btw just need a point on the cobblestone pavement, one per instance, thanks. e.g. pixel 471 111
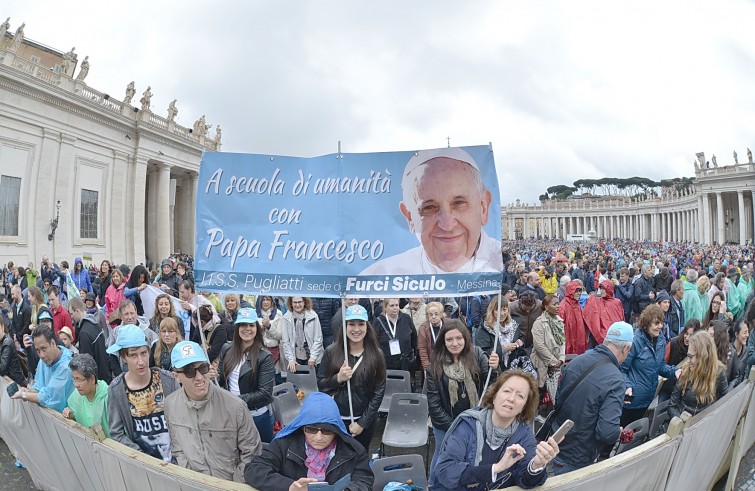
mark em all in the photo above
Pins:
pixel 11 477
pixel 746 475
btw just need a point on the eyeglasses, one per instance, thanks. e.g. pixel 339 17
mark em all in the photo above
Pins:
pixel 312 430
pixel 715 303
pixel 578 290
pixel 191 372
pixel 299 302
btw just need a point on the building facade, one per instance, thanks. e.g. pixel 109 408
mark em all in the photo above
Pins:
pixel 719 207
pixel 84 173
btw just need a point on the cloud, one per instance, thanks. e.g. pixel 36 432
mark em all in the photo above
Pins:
pixel 563 90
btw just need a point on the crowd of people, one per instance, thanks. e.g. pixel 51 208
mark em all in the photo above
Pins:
pixel 586 330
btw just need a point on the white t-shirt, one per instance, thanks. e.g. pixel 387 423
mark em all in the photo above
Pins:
pixel 233 386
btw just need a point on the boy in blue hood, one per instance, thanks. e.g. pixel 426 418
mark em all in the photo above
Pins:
pixel 314 447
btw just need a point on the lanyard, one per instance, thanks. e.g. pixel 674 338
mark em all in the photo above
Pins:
pixel 392 327
pixel 432 331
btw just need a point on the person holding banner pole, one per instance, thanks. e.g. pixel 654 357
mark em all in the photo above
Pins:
pixel 358 402
pixel 245 368
pixel 454 378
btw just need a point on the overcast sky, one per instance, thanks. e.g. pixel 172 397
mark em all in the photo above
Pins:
pixel 563 90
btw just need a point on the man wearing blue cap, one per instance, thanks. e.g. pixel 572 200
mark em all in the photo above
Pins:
pixel 211 429
pixel 136 397
pixel 591 393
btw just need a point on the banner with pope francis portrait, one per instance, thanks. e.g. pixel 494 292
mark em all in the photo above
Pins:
pixel 392 224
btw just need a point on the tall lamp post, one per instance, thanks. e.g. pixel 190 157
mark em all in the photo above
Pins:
pixel 54 222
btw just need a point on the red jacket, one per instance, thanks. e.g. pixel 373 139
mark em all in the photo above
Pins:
pixel 60 319
pixel 574 323
pixel 601 312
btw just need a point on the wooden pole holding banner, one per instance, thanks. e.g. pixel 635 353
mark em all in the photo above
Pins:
pixel 202 338
pixel 346 349
pixel 495 346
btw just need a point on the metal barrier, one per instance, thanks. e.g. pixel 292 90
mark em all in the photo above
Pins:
pixel 693 454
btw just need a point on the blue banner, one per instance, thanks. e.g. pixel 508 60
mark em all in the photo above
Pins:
pixel 391 224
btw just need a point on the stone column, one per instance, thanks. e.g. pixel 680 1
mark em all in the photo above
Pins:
pixel 510 220
pixel 705 220
pixel 741 217
pixel 140 187
pixel 162 212
pixel 118 209
pixel 720 237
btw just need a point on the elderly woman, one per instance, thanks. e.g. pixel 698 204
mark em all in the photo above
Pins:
pixel 314 447
pixel 644 363
pixel 428 332
pixel 508 454
pixel 703 379
pixel 703 287
pixel 88 403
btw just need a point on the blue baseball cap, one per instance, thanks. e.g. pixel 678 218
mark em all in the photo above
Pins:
pixel 356 313
pixel 129 336
pixel 45 314
pixel 186 353
pixel 246 316
pixel 620 331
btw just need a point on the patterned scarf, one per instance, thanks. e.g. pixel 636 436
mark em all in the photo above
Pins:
pixel 557 328
pixel 299 338
pixel 317 460
pixel 497 437
pixel 457 373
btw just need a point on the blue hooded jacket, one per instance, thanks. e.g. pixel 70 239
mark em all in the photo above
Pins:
pixel 318 408
pixel 81 278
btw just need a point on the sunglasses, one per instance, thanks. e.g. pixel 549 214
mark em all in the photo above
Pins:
pixel 191 372
pixel 312 430
pixel 578 290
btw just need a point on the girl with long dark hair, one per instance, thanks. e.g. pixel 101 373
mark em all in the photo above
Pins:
pixel 245 368
pixel 453 380
pixel 365 369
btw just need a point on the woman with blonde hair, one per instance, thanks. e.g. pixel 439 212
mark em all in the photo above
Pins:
pixel 168 336
pixel 508 331
pixel 703 379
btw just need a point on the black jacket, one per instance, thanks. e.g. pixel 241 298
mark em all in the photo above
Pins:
pixel 282 462
pixel 326 308
pixel 171 281
pixel 642 288
pixel 9 364
pixel 525 321
pixel 663 282
pixel 688 402
pixel 407 338
pixel 21 321
pixel 91 340
pixel 365 403
pixel 595 406
pixel 255 391
pixel 438 399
